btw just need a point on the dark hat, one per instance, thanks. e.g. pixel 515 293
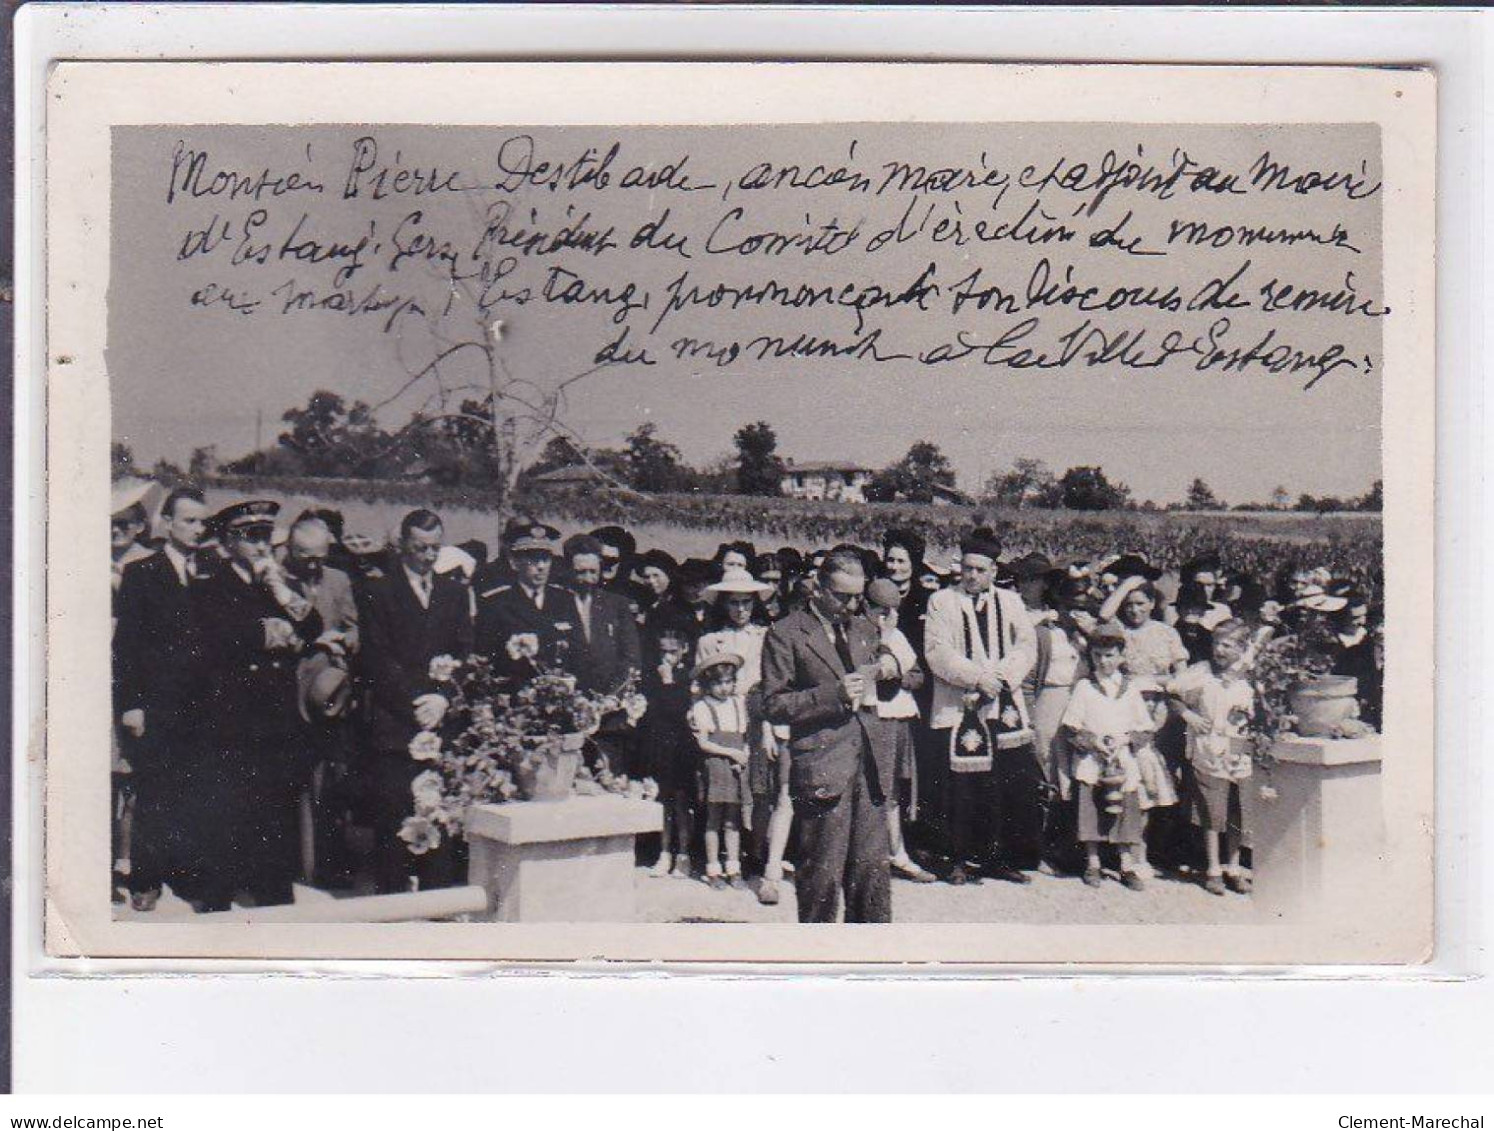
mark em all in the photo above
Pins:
pixel 245 516
pixel 525 535
pixel 1191 595
pixel 582 544
pixel 1071 593
pixel 698 571
pixel 983 541
pixel 618 537
pixel 1251 596
pixel 767 566
pixel 476 549
pixel 668 617
pixel 790 559
pixel 909 540
pixel 1029 567
pixel 659 560
pixel 325 688
pixel 1131 565
pixel 746 549
pixel 1108 633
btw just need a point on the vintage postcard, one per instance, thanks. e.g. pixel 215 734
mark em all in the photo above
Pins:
pixel 833 513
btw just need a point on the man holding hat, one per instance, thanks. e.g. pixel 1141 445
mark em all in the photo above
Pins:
pixel 529 624
pixel 253 627
pixel 326 691
pixel 979 644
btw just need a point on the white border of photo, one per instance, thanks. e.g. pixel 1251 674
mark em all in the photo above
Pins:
pixel 1449 41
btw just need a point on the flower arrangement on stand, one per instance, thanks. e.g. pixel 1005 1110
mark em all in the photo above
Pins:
pixel 498 742
pixel 1285 665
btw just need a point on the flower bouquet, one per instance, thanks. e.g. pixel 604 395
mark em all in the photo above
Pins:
pixel 496 742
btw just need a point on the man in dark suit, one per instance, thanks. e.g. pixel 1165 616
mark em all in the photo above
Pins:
pixel 818 664
pixel 253 628
pixel 606 651
pixel 411 615
pixel 530 624
pixel 157 699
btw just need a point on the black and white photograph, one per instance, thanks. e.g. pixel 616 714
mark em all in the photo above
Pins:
pixel 670 511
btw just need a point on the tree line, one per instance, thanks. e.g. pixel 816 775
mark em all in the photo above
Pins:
pixel 331 437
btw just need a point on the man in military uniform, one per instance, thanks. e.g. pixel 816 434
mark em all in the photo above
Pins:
pixel 529 625
pixel 157 699
pixel 253 628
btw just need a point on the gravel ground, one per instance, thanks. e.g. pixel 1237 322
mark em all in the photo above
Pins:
pixel 1048 899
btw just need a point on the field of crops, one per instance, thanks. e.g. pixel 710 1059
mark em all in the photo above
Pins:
pixel 1256 542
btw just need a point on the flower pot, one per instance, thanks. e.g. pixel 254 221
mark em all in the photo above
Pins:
pixel 1322 704
pixel 551 774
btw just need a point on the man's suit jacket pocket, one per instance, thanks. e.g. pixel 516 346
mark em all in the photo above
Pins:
pixel 819 769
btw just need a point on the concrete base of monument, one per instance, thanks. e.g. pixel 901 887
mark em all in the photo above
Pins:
pixel 559 862
pixel 1320 841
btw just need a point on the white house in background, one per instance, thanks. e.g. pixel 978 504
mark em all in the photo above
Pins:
pixel 826 480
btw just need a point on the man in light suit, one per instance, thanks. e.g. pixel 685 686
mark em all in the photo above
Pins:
pixel 411 615
pixel 817 665
pixel 979 644
pixel 325 689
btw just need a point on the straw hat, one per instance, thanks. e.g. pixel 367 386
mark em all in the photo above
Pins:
pixel 740 581
pixel 712 651
pixel 127 493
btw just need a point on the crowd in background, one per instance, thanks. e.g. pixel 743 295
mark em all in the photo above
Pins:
pixel 1014 712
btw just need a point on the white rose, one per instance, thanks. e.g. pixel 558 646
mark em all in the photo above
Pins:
pixel 425 746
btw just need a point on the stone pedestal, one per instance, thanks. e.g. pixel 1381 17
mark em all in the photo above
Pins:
pixel 559 862
pixel 1320 842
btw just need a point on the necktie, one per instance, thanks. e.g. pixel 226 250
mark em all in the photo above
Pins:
pixel 843 647
pixel 982 622
pixel 425 592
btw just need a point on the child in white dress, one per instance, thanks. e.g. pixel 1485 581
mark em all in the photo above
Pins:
pixel 1107 722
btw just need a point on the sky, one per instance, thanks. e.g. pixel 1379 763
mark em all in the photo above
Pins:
pixel 185 376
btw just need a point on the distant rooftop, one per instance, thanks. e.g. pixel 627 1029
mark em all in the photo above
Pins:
pixel 578 474
pixel 824 465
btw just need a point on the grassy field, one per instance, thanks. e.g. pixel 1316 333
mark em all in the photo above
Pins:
pixel 1258 541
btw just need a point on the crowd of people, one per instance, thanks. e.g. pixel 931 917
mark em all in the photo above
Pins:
pixel 846 715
